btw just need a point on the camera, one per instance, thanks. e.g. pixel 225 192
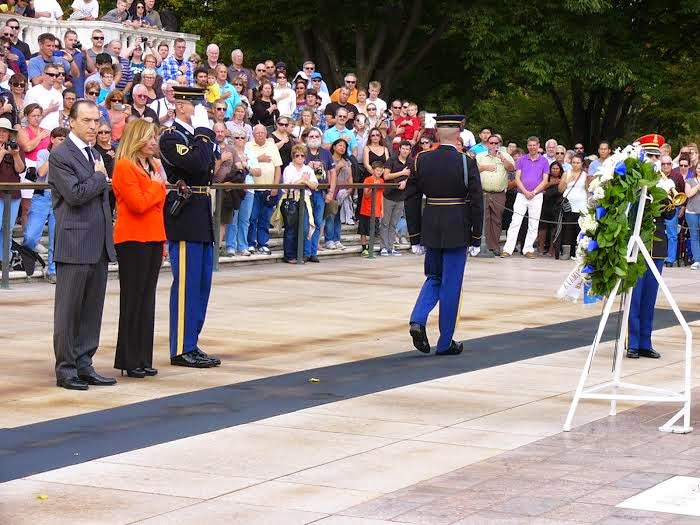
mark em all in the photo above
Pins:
pixel 387 113
pixel 11 144
pixel 78 46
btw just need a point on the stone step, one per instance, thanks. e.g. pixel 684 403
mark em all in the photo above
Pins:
pixel 239 260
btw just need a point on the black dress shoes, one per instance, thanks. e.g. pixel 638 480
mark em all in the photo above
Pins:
pixel 150 371
pixel 632 354
pixel 649 353
pixel 215 360
pixel 420 338
pixel 72 383
pixel 136 372
pixel 191 360
pixel 314 259
pixel 96 379
pixel 454 349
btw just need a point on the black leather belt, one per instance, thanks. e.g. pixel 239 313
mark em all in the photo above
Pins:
pixel 440 201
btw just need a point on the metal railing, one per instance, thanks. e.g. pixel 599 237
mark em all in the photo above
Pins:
pixel 218 199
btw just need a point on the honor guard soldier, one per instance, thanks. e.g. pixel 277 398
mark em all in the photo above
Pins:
pixel 641 315
pixel 451 222
pixel 187 151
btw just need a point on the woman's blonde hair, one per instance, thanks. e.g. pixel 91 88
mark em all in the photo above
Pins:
pixel 136 134
pixel 298 148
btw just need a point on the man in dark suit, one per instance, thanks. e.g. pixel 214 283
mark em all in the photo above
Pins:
pixel 450 223
pixel 83 248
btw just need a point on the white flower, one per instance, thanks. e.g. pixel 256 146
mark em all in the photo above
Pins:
pixel 595 183
pixel 588 223
pixel 666 184
pixel 599 193
pixel 583 243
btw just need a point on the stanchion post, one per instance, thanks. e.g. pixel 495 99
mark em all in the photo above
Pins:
pixel 6 240
pixel 484 249
pixel 218 200
pixel 300 227
pixel 372 214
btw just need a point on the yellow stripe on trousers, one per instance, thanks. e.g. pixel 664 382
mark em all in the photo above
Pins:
pixel 182 282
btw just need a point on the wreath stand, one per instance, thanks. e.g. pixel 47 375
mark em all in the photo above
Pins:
pixel 614 390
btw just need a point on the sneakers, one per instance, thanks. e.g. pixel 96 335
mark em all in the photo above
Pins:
pixel 695 266
pixel 330 245
pixel 396 253
pixel 384 252
pixel 529 255
pixel 339 245
pixel 264 250
pixel 251 249
pixel 51 278
pixel 230 252
pixel 504 255
pixel 365 253
pixel 245 253
pixel 403 240
pixel 350 222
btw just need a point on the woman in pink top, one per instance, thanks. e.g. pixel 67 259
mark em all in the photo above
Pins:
pixel 33 138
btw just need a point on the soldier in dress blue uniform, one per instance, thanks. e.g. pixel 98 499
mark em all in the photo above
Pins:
pixel 641 315
pixel 450 223
pixel 188 154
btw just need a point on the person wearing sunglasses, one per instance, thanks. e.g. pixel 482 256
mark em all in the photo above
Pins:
pixel 350 82
pixel 48 97
pixel 298 172
pixel 284 95
pixel 15 98
pixel 13 25
pixel 240 84
pixel 47 47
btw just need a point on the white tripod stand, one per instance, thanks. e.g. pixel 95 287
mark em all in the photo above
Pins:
pixel 611 389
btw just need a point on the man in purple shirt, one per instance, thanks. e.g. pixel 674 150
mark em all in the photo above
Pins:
pixel 531 177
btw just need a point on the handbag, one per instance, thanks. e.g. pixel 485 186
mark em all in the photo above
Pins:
pixel 290 212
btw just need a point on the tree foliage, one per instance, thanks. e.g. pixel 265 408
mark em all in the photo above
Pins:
pixel 586 70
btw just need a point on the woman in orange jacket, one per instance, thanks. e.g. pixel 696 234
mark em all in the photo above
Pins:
pixel 139 234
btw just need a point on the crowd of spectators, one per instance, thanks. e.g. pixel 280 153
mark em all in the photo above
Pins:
pixel 274 125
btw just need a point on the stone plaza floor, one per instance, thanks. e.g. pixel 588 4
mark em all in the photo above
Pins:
pixel 322 413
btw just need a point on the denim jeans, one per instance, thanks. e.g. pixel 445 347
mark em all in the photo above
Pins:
pixel 672 236
pixel 291 237
pixel 318 205
pixel 259 229
pixel 693 220
pixel 14 210
pixel 237 231
pixel 332 230
pixel 40 211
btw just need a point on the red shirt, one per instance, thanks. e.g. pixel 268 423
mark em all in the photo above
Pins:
pixel 366 207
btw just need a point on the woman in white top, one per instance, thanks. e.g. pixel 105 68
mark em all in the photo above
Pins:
pixel 297 173
pixel 361 103
pixel 284 95
pixel 574 188
pixel 238 123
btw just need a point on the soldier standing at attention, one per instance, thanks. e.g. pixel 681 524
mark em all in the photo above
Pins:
pixel 451 222
pixel 187 151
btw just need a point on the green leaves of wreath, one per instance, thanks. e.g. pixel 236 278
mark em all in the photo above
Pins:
pixel 605 258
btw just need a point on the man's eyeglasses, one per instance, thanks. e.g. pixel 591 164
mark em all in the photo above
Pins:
pixel 395 107
pixel 260 70
pixel 98 38
pixel 684 165
pixel 341 116
pixel 425 142
pixel 54 75
pixel 14 27
pixel 93 93
pixel 560 153
pixel 140 96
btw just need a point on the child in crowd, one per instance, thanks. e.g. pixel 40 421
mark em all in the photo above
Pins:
pixel 366 205
pixel 106 83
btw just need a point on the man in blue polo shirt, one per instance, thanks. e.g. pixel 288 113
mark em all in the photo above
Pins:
pixel 47 46
pixel 531 177
pixel 339 131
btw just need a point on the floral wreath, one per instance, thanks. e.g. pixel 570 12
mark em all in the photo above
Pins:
pixel 607 224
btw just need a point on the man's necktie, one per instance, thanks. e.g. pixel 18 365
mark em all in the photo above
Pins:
pixel 91 158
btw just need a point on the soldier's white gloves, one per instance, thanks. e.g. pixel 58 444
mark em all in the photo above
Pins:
pixel 200 119
pixel 417 249
pixel 474 251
